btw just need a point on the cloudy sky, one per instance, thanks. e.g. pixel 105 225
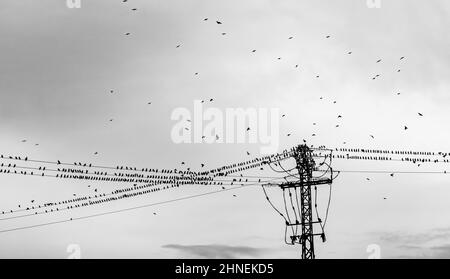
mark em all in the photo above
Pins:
pixel 58 67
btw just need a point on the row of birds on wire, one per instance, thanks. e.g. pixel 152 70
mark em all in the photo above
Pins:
pixel 215 177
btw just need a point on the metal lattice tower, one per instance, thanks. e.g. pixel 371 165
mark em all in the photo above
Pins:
pixel 305 166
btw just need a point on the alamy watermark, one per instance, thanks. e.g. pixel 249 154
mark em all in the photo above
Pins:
pixel 231 125
pixel 73 4
pixel 74 251
pixel 374 251
pixel 373 4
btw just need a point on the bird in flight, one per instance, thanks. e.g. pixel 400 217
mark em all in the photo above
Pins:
pixel 420 114
pixel 218 22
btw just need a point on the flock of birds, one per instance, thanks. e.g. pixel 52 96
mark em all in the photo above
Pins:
pixel 220 22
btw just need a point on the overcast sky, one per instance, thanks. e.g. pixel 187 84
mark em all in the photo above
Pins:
pixel 59 65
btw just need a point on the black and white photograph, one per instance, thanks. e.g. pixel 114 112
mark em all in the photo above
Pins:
pixel 250 130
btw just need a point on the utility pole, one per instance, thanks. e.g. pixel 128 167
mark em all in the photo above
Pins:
pixel 304 159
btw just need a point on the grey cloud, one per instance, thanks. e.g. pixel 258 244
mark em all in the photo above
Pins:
pixel 434 243
pixel 215 251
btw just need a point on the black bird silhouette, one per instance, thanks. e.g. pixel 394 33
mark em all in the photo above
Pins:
pixel 202 165
pixel 218 22
pixel 59 162
pixel 328 36
pixel 254 50
pixel 205 19
pixel 420 114
pixel 290 38
pixel 403 57
pixel 406 128
pixel 372 136
pixel 178 46
pixel 127 34
pixel 379 60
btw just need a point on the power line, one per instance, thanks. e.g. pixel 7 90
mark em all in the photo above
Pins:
pixel 127 209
